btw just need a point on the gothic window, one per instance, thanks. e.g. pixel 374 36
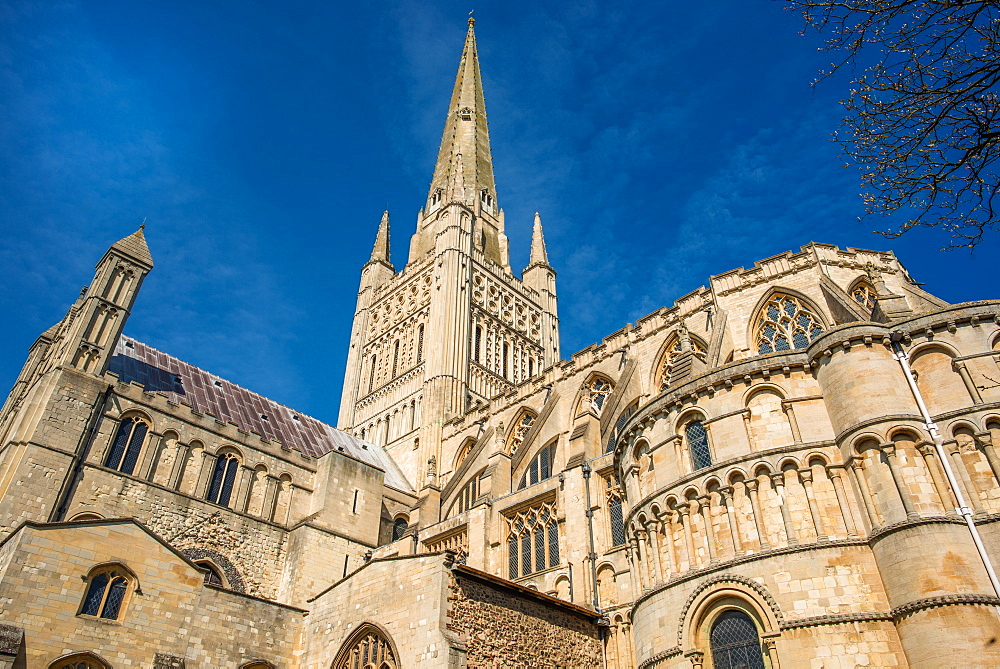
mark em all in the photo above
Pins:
pixel 520 431
pixel 477 343
pixel 468 495
pixel 506 352
pixel 399 527
pixel 531 367
pixel 596 394
pixel 533 542
pixel 220 488
pixel 371 375
pixel 864 295
pixel 666 369
pixel 615 514
pixel 697 438
pixel 786 323
pixel 395 358
pixel 107 589
pixel 616 432
pixel 126 445
pixel 80 661
pixel 540 468
pixel 735 642
pixel 420 344
pixel 366 648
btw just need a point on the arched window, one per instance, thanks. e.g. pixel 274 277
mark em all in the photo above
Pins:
pixel 697 438
pixel 220 488
pixel 520 431
pixel 615 515
pixel 257 664
pixel 468 495
pixel 785 323
pixel 464 450
pixel 127 444
pixel 477 343
pixel 80 661
pixel 371 374
pixel 399 527
pixel 666 369
pixel 616 432
pixel 533 543
pixel 367 648
pixel 597 393
pixel 540 467
pixel 864 294
pixel 506 353
pixel 395 358
pixel 420 343
pixel 735 642
pixel 531 367
pixel 213 575
pixel 108 587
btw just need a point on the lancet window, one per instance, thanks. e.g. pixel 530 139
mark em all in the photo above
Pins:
pixel 616 432
pixel 420 344
pixel 597 393
pixel 107 588
pixel 520 431
pixel 127 444
pixel 540 468
pixel 468 495
pixel 399 527
pixel 697 439
pixel 533 542
pixel 616 517
pixel 477 344
pixel 220 488
pixel 785 323
pixel 864 295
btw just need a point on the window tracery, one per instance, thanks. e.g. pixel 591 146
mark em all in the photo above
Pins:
pixel 784 324
pixel 616 516
pixel 107 589
pixel 697 438
pixel 735 642
pixel 597 393
pixel 864 295
pixel 80 661
pixel 367 648
pixel 399 527
pixel 127 444
pixel 533 540
pixel 520 431
pixel 670 356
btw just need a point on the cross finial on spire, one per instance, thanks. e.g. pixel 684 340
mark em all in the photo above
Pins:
pixel 472 20
pixel 142 226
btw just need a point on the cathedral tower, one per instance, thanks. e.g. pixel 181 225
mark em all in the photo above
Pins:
pixel 455 327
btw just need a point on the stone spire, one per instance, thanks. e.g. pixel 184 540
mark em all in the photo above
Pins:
pixel 465 134
pixel 538 254
pixel 381 250
pixel 134 246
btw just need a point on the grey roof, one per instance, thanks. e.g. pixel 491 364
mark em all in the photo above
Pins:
pixel 207 393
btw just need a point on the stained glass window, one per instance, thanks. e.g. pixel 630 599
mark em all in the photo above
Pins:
pixel 540 467
pixel 785 324
pixel 533 544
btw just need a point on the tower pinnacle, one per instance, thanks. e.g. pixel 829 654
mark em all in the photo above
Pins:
pixel 538 254
pixel 465 134
pixel 381 250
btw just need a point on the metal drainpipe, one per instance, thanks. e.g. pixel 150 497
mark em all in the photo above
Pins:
pixel 592 556
pixel 963 510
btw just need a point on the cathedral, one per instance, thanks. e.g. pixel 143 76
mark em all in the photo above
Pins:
pixel 792 466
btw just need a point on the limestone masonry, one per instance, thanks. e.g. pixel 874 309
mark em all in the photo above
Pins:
pixel 788 467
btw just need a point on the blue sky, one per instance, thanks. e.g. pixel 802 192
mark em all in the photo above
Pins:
pixel 661 142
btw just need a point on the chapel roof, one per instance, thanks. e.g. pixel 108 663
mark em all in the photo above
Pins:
pixel 208 393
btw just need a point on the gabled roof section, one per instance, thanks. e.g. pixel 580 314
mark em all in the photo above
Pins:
pixel 135 247
pixel 207 393
pixel 466 133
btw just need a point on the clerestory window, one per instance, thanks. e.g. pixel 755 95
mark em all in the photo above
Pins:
pixel 697 438
pixel 123 454
pixel 784 324
pixel 533 540
pixel 220 488
pixel 540 468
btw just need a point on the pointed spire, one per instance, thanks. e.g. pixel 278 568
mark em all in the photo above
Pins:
pixel 538 254
pixel 465 132
pixel 135 247
pixel 381 250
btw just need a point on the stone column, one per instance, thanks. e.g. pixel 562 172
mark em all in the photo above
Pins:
pixel 772 653
pixel 889 449
pixel 845 507
pixel 204 474
pixel 668 539
pixel 638 583
pixel 758 517
pixel 654 548
pixel 964 480
pixel 963 371
pixel 793 423
pixel 270 498
pixel 989 450
pixel 934 468
pixel 149 456
pixel 697 658
pixel 705 506
pixel 243 485
pixel 778 480
pixel 858 471
pixel 633 572
pixel 734 522
pixel 749 430
pixel 177 471
pixel 685 511
pixel 817 517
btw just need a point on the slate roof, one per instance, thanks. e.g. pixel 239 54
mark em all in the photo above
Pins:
pixel 207 393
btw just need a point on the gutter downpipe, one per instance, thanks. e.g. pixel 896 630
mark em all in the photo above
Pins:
pixel 963 509
pixel 592 556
